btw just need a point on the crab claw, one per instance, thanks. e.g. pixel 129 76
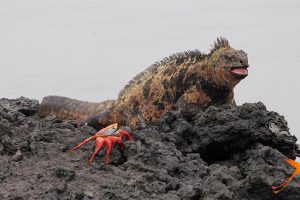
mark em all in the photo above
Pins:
pixel 106 137
pixel 279 188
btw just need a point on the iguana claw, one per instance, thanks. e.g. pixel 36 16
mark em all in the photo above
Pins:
pixel 107 136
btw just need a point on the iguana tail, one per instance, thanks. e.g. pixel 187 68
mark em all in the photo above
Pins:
pixel 66 108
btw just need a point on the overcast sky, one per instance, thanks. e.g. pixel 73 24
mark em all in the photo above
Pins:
pixel 90 49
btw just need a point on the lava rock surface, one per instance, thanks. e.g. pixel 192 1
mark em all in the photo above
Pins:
pixel 220 153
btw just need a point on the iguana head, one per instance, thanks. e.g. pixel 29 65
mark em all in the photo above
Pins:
pixel 226 66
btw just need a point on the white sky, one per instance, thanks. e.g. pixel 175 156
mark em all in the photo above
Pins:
pixel 90 49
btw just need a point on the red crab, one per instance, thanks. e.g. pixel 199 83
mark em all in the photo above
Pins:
pixel 107 136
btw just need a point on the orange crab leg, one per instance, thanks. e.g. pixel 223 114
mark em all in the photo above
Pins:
pixel 125 134
pixel 277 189
pixel 99 145
pixel 109 143
pixel 82 143
pixel 120 141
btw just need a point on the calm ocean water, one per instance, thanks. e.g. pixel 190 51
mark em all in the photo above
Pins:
pixel 90 49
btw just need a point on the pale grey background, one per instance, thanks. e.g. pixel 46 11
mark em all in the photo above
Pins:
pixel 89 49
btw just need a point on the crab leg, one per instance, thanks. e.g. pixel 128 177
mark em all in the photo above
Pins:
pixel 277 189
pixel 109 143
pixel 99 145
pixel 82 143
pixel 120 141
pixel 125 134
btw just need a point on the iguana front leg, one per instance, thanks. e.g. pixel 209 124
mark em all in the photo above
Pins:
pixel 197 96
pixel 192 97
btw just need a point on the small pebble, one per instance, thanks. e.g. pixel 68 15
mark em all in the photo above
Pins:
pixel 18 156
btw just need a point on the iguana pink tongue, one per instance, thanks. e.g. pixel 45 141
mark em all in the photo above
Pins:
pixel 242 70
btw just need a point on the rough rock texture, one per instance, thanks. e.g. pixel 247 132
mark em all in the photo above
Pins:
pixel 220 153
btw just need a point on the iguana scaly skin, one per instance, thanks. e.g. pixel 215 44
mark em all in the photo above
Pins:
pixel 179 81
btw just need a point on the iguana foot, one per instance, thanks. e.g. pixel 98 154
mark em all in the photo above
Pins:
pixel 107 136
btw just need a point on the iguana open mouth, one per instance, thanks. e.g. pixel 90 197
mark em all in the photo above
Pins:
pixel 240 71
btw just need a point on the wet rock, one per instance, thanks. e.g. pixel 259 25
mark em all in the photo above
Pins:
pixel 219 153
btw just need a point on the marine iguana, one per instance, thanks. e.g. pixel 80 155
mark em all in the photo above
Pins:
pixel 176 82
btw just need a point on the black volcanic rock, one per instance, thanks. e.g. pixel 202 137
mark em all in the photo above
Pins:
pixel 220 153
